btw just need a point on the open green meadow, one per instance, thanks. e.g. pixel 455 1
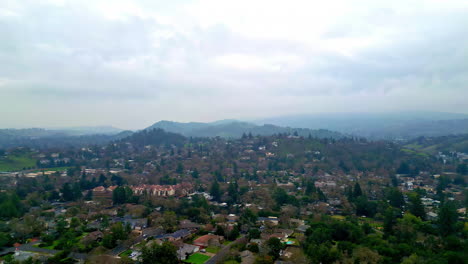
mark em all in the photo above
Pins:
pixel 17 162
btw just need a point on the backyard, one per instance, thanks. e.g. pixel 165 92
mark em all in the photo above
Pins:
pixel 197 258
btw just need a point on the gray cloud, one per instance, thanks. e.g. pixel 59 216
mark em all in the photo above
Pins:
pixel 131 63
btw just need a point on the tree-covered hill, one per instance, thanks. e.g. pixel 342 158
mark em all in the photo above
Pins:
pixel 154 137
pixel 433 145
pixel 235 129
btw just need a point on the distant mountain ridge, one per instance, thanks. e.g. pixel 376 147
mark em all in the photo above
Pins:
pixel 397 125
pixel 45 138
pixel 88 130
pixel 235 129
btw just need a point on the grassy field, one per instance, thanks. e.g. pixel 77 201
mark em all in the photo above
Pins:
pixel 213 249
pixel 197 258
pixel 338 217
pixel 227 242
pixel 231 262
pixel 126 253
pixel 17 162
pixel 415 152
pixel 52 246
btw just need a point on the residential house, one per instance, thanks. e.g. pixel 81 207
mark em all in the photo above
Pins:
pixel 186 250
pixel 208 240
pixel 271 220
pixel 177 235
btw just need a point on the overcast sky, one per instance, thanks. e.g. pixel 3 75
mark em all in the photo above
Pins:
pixel 132 63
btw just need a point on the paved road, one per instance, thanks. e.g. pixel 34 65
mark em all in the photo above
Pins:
pixel 224 251
pixel 31 248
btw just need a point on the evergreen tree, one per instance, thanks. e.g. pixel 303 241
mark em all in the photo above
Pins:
pixel 180 168
pixel 233 191
pixel 119 195
pixel 447 218
pixel 390 220
pixel 404 168
pixel 394 180
pixel 416 207
pixel 357 190
pixel 195 173
pixel 310 187
pixel 89 196
pixel 395 198
pixel 67 192
pixel 215 191
pixel 234 233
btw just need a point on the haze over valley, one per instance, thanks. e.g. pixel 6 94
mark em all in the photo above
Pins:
pixel 233 132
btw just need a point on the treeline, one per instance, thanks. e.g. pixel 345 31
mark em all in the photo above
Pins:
pixel 409 240
pixel 10 205
pixel 154 137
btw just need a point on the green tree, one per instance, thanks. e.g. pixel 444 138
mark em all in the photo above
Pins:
pixel 61 258
pixel 365 207
pixel 180 168
pixel 119 195
pixel 195 173
pixel 281 196
pixel 248 217
pixel 462 169
pixel 274 247
pixel 220 231
pixel 395 198
pixel 108 241
pixel 416 207
pixel 118 231
pixel 447 218
pixel 234 233
pixel 322 253
pixel 5 239
pixel 164 254
pixel 215 191
pixel 404 168
pixel 89 195
pixel 168 221
pixel 233 191
pixel 67 192
pixel 76 191
pixel 253 247
pixel 357 192
pixel 310 187
pixel 254 233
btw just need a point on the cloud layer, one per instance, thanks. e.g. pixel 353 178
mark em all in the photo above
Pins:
pixel 130 63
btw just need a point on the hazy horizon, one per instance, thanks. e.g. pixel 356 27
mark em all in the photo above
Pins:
pixel 129 64
pixel 339 115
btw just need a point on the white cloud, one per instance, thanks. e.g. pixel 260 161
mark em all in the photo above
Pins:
pixel 247 62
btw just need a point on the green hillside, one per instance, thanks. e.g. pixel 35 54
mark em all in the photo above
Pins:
pixel 436 144
pixel 16 162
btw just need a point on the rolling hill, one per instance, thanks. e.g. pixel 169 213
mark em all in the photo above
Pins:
pixel 235 129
